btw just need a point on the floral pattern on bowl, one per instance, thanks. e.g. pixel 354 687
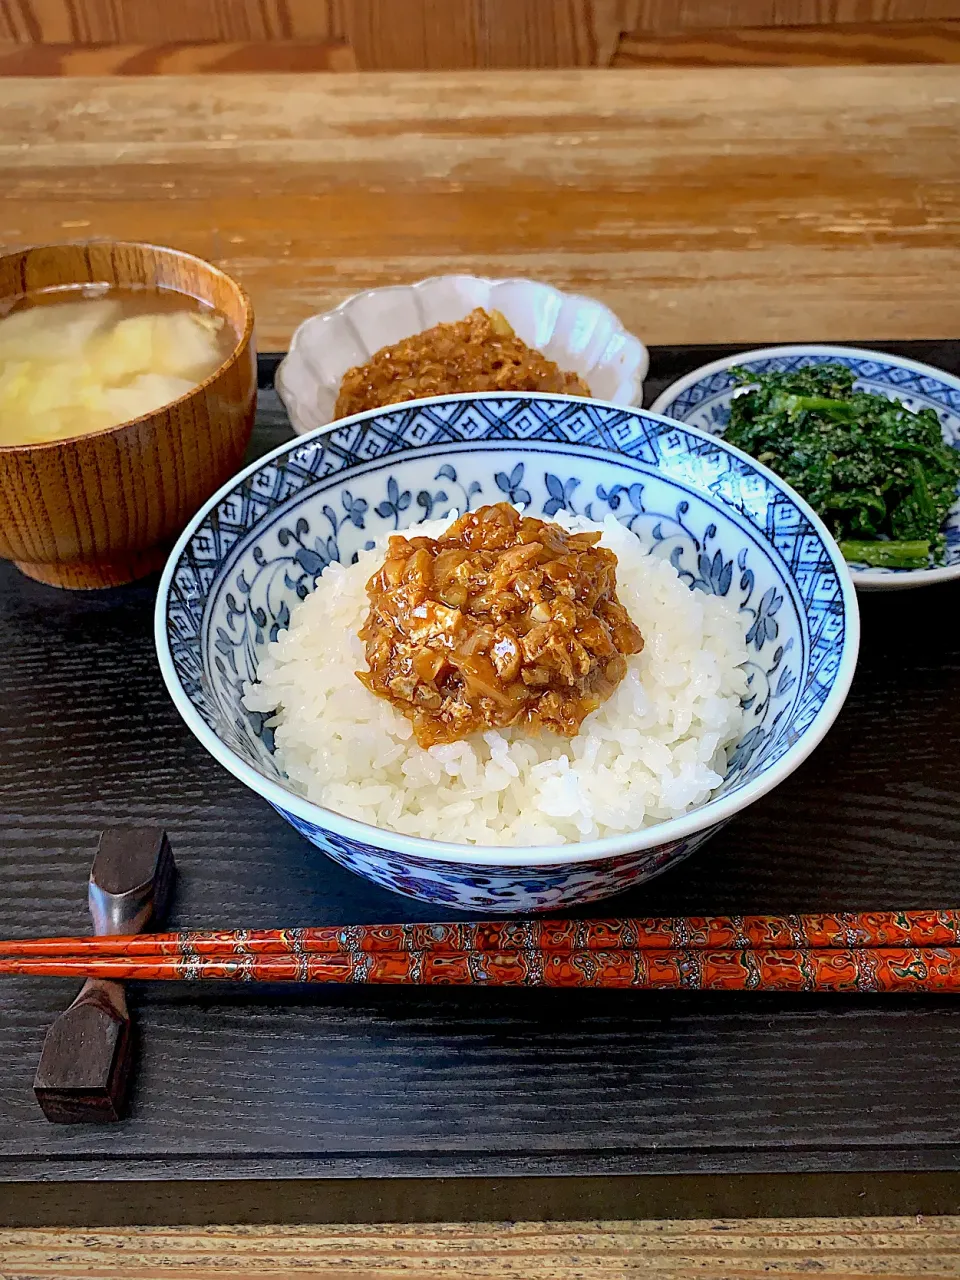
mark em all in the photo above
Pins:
pixel 702 400
pixel 581 335
pixel 727 524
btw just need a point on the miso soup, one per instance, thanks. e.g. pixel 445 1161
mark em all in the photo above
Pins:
pixel 83 358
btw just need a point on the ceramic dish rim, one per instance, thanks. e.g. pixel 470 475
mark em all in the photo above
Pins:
pixel 638 378
pixel 866 579
pixel 704 816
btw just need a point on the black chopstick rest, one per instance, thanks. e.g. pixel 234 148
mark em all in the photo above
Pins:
pixel 86 1064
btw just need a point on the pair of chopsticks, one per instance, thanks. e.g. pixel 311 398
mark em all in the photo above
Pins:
pixel 908 951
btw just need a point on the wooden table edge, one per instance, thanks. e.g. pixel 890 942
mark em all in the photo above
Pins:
pixel 283 1201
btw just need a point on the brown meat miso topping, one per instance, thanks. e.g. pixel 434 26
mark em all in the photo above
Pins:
pixel 503 620
pixel 480 353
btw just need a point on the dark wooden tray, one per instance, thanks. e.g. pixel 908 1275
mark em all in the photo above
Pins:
pixel 451 1104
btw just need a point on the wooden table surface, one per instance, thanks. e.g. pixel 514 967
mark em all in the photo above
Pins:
pixel 702 206
pixel 720 205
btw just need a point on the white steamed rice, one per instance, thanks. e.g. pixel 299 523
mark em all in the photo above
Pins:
pixel 655 749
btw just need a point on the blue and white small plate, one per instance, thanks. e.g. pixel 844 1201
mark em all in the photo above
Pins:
pixel 702 399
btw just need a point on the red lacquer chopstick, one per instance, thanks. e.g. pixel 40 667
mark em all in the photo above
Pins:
pixel 845 930
pixel 865 969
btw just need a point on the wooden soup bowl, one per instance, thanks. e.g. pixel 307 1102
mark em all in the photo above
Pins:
pixel 102 509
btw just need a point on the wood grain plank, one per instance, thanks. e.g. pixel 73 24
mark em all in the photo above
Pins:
pixel 435 34
pixel 837 44
pixel 175 59
pixel 731 1249
pixel 412 35
pixel 870 44
pixel 697 214
pixel 686 15
pixel 144 22
pixel 599 44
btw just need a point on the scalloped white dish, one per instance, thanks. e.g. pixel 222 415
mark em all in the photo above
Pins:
pixel 580 334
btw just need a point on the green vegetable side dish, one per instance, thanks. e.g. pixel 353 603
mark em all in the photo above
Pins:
pixel 878 474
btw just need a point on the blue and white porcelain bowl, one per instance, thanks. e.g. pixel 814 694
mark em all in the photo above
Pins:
pixel 727 524
pixel 702 399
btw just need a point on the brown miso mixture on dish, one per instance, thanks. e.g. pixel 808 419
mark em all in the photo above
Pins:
pixel 480 353
pixel 503 620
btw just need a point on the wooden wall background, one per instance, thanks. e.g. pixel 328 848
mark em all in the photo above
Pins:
pixel 94 37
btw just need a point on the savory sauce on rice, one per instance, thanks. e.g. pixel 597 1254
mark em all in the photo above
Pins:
pixel 502 620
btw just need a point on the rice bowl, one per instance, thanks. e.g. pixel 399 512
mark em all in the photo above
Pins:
pixel 729 528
